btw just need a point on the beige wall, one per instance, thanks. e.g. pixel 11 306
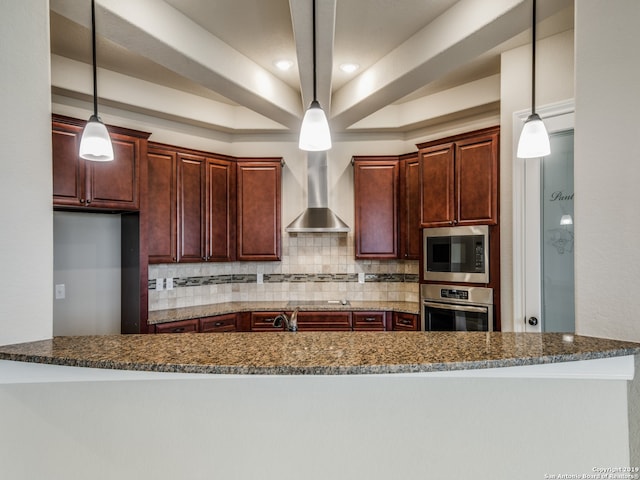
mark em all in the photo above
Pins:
pixel 607 169
pixel 26 252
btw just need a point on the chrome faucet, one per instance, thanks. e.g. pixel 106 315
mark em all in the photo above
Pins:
pixel 290 323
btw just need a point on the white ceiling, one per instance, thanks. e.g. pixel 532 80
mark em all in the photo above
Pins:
pixel 414 56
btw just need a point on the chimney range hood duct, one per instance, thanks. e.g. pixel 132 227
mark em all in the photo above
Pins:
pixel 318 217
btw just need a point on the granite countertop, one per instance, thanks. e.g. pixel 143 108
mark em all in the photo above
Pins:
pixel 186 313
pixel 316 353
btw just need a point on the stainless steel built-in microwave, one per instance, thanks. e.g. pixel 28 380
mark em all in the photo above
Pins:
pixel 456 254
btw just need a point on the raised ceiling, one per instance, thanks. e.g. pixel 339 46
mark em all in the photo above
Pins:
pixel 212 62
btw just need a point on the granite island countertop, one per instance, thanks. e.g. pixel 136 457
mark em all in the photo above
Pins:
pixel 316 353
pixel 210 310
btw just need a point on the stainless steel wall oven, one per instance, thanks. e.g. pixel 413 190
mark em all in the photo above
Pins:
pixel 456 308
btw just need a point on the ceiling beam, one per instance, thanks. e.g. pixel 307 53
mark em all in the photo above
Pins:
pixel 159 32
pixel 456 37
pixel 302 20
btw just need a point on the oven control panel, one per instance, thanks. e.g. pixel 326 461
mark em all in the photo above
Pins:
pixel 456 294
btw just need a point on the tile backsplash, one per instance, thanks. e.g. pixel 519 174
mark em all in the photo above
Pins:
pixel 318 266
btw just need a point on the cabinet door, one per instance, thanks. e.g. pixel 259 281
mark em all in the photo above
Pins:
pixel 259 226
pixel 437 179
pixel 324 321
pixel 162 206
pixel 221 211
pixel 405 321
pixel 115 184
pixel 219 323
pixel 410 238
pixel 369 321
pixel 182 326
pixel 191 215
pixel 376 208
pixel 68 167
pixel 477 180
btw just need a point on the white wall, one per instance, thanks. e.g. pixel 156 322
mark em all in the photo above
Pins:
pixel 313 428
pixel 26 252
pixel 607 169
pixel 554 83
pixel 86 259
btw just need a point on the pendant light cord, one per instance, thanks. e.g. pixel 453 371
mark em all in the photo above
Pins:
pixel 533 60
pixel 314 52
pixel 95 74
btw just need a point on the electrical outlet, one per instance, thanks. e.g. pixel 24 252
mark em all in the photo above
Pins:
pixel 60 291
pixel 260 278
pixel 169 283
pixel 159 283
pixel 360 277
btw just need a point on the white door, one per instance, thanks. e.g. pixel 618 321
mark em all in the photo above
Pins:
pixel 543 229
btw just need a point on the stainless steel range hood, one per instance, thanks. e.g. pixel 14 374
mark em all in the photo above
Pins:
pixel 318 217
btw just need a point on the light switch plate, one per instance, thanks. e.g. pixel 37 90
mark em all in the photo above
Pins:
pixel 360 277
pixel 260 278
pixel 169 283
pixel 159 283
pixel 60 291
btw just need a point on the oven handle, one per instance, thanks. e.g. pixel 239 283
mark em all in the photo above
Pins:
pixel 459 308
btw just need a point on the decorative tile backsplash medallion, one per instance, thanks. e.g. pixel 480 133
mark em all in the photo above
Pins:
pixel 313 267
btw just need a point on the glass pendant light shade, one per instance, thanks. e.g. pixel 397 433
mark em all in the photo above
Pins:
pixel 95 143
pixel 314 133
pixel 534 139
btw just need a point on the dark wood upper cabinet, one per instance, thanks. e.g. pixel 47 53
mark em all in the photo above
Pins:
pixel 162 205
pixel 220 237
pixel 376 206
pixel 78 183
pixel 410 210
pixel 191 206
pixel 459 179
pixel 258 216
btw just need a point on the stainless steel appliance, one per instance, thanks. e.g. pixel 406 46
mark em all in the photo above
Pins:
pixel 456 254
pixel 456 308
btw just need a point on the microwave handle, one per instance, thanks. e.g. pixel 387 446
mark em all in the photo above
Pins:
pixel 459 308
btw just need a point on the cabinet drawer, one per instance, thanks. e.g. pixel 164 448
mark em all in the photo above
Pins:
pixel 263 322
pixel 405 321
pixel 183 326
pixel 219 323
pixel 324 321
pixel 369 321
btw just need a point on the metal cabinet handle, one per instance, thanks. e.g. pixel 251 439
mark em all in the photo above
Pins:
pixel 269 320
pixel 218 324
pixel 405 321
pixel 178 330
pixel 370 319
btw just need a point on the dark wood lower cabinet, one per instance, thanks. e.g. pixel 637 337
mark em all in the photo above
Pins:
pixel 324 321
pixel 182 326
pixel 405 321
pixel 369 321
pixel 219 323
pixel 263 322
pixel 319 321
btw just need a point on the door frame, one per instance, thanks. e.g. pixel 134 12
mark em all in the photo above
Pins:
pixel 526 221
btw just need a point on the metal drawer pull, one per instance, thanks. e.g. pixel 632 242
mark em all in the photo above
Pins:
pixel 178 330
pixel 370 319
pixel 218 324
pixel 405 321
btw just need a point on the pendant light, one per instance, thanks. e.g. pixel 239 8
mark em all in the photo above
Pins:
pixel 534 139
pixel 314 133
pixel 95 144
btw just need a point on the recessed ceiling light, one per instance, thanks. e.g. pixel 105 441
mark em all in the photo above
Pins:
pixel 283 65
pixel 349 67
